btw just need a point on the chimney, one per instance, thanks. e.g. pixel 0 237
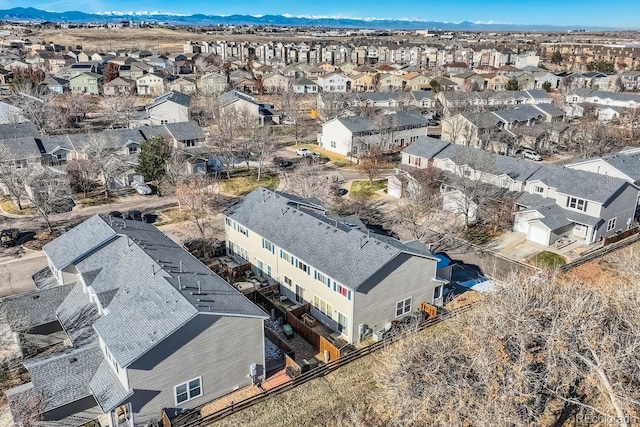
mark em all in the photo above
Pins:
pixel 180 266
pixel 179 283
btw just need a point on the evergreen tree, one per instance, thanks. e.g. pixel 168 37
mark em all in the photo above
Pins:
pixel 152 160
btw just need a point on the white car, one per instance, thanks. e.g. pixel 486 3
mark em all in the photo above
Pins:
pixel 303 152
pixel 531 155
pixel 141 188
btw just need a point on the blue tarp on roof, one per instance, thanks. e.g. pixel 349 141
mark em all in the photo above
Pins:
pixel 443 260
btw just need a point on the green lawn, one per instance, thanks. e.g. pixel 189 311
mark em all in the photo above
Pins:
pixel 243 185
pixel 363 189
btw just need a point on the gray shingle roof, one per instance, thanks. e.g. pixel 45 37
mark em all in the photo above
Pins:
pixel 344 253
pixel 78 241
pixel 136 272
pixel 76 366
pixel 426 147
pixel 358 124
pixel 77 315
pixel 554 217
pixel 577 183
pixel 185 130
pixel 34 308
pixel 523 113
pixel 107 388
pixel 173 96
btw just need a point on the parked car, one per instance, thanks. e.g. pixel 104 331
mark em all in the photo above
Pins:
pixel 318 158
pixel 303 152
pixel 9 237
pixel 531 155
pixel 336 190
pixel 115 214
pixel 141 188
pixel 134 215
pixel 282 163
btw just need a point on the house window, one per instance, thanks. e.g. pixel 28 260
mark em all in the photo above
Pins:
pixel 577 204
pixel 190 143
pixel 437 292
pixel 578 227
pixel 288 281
pixel 243 230
pixel 268 246
pixel 322 306
pixel 538 189
pixel 228 221
pixel 304 267
pixel 403 307
pixel 333 144
pixel 505 183
pixel 343 291
pixel 133 149
pixel 611 224
pixel 164 122
pixel 285 256
pixel 189 390
pixel 321 277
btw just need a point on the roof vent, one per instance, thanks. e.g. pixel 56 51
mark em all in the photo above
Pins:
pixel 73 360
pixel 36 296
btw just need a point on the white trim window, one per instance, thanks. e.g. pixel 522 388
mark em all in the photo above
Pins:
pixel 611 224
pixel 577 204
pixel 403 307
pixel 187 391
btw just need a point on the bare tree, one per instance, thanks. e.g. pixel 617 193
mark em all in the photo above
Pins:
pixel 27 408
pixel 457 129
pixel 13 175
pixel 102 152
pixel 78 105
pixel 593 138
pixel 532 353
pixel 264 146
pixel 334 104
pixel 48 192
pixel 307 180
pixel 82 173
pixel 119 110
pixel 40 108
pixel 201 197
pixel 290 103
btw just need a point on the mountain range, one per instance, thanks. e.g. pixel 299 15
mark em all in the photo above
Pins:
pixel 30 14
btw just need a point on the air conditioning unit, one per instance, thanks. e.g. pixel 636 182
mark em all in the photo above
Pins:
pixel 378 336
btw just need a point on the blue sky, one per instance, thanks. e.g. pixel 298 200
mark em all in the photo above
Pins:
pixel 611 13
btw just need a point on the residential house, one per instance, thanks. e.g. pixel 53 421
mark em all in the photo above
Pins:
pixel 365 280
pixel 391 83
pixel 333 82
pixel 275 82
pixel 55 84
pixel 453 68
pixel 139 339
pixel 350 136
pixel 304 85
pixel 213 83
pixel 624 164
pixel 444 84
pixel 364 82
pixel 608 105
pixel 551 201
pixel 118 86
pixel 419 82
pixel 496 82
pixel 150 84
pixel 468 80
pixel 170 107
pixel 90 83
pixel 183 85
pixel 133 71
pixel 543 77
pixel 264 114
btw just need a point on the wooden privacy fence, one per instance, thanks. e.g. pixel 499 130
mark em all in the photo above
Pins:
pixel 612 239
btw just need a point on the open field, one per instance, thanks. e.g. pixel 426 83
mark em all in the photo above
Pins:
pixel 156 40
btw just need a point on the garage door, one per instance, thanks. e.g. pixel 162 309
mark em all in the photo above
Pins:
pixel 538 235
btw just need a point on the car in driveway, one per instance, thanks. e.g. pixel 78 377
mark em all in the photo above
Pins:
pixel 337 191
pixel 141 188
pixel 531 155
pixel 303 152
pixel 318 158
pixel 282 163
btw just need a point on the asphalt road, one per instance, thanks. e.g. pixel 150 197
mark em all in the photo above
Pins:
pixel 16 272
